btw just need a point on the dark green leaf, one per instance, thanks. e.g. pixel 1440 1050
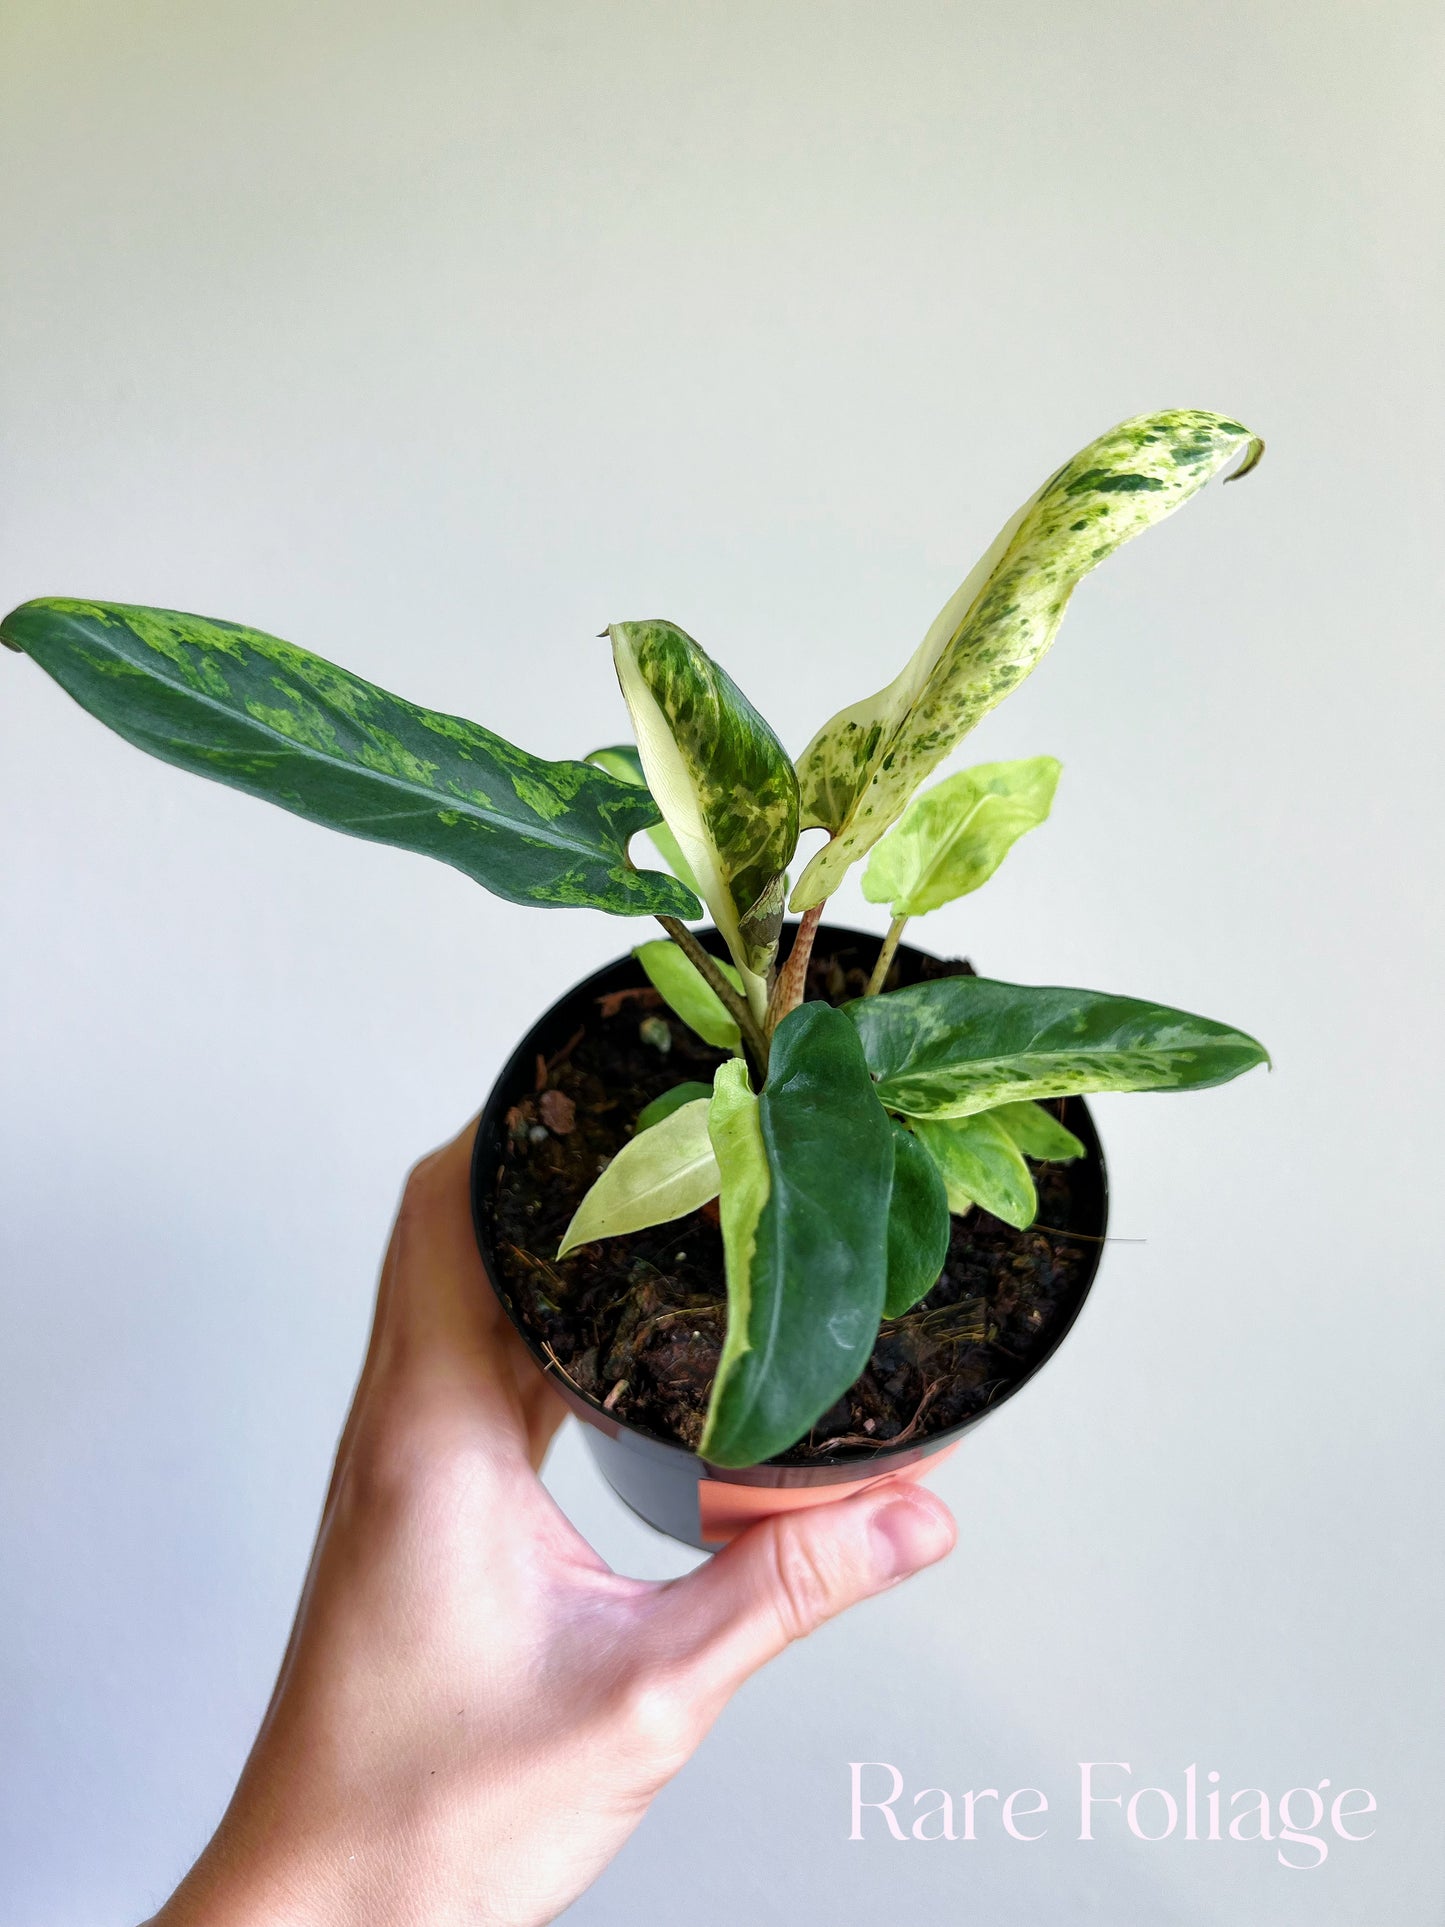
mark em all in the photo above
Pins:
pixel 918 1224
pixel 965 1044
pixel 807 1171
pixel 670 1101
pixel 268 718
pixel 980 1164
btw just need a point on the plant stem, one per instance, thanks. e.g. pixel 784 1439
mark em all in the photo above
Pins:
pixel 793 977
pixel 885 957
pixel 733 1002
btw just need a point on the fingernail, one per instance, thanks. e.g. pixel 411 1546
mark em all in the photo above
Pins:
pixel 910 1534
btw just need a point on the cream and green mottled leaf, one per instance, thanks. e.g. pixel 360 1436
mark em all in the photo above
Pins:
pixel 663 1173
pixel 861 768
pixel 263 716
pixel 682 986
pixel 980 1164
pixel 722 781
pixel 1037 1132
pixel 966 1044
pixel 950 840
pixel 623 762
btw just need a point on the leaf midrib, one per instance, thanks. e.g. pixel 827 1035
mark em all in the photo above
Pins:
pixel 950 843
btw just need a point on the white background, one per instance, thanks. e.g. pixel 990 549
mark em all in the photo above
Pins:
pixel 435 337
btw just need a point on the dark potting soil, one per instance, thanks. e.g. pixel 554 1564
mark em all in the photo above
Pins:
pixel 637 1322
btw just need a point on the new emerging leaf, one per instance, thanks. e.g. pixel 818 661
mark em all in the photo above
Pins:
pixel 951 839
pixel 862 767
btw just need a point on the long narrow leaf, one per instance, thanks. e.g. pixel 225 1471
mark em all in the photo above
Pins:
pixel 862 767
pixel 273 720
pixel 965 1044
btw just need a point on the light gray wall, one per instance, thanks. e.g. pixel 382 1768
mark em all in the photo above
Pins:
pixel 437 336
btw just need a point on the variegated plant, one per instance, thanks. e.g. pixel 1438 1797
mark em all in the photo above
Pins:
pixel 841 1144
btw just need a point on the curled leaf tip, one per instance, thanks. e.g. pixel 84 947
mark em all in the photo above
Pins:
pixel 1253 456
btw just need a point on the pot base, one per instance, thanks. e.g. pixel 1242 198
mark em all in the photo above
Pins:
pixel 710 1509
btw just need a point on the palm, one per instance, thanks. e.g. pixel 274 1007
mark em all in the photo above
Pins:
pixel 464 1669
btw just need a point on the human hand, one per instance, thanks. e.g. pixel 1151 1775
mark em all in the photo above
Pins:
pixel 474 1712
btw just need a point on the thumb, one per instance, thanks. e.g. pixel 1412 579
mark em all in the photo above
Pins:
pixel 782 1578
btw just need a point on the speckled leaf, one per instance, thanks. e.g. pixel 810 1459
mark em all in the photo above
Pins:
pixel 966 1044
pixel 623 762
pixel 266 717
pixel 862 767
pixel 807 1172
pixel 662 1173
pixel 722 781
pixel 1038 1133
pixel 980 1164
pixel 671 1101
pixel 951 839
pixel 685 990
pixel 918 1224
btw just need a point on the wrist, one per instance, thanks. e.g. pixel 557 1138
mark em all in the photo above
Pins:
pixel 233 1885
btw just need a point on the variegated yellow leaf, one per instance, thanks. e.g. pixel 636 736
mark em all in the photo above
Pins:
pixel 862 767
pixel 665 1172
pixel 951 839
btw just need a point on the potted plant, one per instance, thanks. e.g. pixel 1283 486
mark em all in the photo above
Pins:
pixel 780 1210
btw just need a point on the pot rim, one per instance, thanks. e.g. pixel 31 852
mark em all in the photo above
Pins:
pixel 827 1468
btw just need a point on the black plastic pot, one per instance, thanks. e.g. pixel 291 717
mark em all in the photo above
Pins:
pixel 670 1487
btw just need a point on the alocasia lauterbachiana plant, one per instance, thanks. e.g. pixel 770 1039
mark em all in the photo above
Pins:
pixel 837 1142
